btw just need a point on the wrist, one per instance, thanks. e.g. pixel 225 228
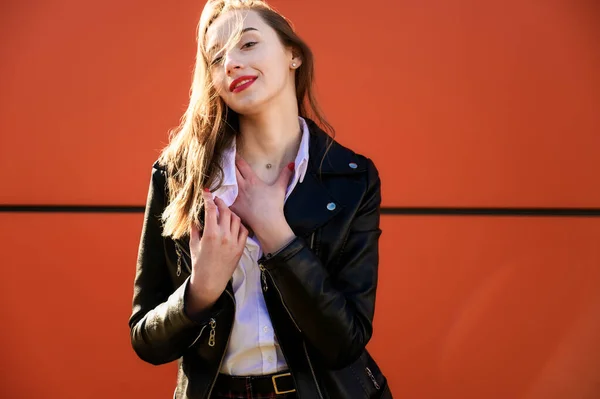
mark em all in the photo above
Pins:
pixel 269 255
pixel 199 297
pixel 275 239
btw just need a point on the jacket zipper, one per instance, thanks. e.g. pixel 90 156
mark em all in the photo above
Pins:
pixel 372 377
pixel 264 272
pixel 312 371
pixel 179 249
pixel 213 326
pixel 211 337
pixel 212 322
pixel 198 337
pixel 266 287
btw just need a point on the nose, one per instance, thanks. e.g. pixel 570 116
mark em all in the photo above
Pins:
pixel 232 62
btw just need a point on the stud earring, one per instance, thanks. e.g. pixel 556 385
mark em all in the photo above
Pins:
pixel 293 65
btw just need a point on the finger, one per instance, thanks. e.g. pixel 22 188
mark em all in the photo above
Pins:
pixel 235 225
pixel 194 234
pixel 245 169
pixel 210 211
pixel 286 175
pixel 243 235
pixel 224 213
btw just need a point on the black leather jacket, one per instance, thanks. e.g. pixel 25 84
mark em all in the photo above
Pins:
pixel 320 288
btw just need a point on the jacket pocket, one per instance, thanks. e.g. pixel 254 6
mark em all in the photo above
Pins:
pixel 361 380
pixel 376 377
pixel 370 375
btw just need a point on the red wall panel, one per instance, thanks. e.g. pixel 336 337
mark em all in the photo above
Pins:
pixel 66 294
pixel 462 103
pixel 467 307
pixel 484 307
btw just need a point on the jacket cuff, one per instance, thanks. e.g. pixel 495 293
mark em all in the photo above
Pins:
pixel 270 261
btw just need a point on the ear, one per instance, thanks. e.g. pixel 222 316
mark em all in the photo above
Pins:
pixel 296 60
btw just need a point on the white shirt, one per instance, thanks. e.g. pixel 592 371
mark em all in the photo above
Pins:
pixel 253 348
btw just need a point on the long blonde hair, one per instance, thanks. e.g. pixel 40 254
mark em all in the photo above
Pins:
pixel 208 127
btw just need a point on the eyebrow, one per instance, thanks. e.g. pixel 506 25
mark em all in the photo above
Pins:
pixel 212 49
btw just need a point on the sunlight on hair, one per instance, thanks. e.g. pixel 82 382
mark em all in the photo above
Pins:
pixel 193 156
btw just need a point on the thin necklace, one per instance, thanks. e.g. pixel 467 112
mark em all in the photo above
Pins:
pixel 269 166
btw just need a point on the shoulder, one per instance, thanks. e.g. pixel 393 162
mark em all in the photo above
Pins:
pixel 159 167
pixel 159 176
pixel 331 157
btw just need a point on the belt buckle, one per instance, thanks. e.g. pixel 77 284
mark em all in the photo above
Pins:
pixel 277 391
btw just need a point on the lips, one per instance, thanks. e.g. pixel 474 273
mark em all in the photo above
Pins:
pixel 241 83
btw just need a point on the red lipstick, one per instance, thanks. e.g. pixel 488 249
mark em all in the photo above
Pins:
pixel 236 87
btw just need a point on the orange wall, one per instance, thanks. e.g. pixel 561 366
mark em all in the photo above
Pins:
pixel 462 103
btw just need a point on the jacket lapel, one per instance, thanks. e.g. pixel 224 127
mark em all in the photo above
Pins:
pixel 313 202
pixel 310 206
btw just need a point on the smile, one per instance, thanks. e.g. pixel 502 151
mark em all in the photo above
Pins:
pixel 242 83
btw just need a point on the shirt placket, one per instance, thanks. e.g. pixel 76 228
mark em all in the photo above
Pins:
pixel 265 330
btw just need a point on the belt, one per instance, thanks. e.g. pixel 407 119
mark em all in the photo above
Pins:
pixel 279 383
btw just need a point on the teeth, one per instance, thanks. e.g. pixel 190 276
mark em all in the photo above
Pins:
pixel 243 82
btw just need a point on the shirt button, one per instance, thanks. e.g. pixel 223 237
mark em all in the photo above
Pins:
pixel 266 329
pixel 270 359
pixel 331 206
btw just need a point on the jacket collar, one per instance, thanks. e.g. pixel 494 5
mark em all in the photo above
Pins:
pixel 328 156
pixel 313 203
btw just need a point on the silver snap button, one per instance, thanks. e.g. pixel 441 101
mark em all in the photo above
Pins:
pixel 353 165
pixel 331 206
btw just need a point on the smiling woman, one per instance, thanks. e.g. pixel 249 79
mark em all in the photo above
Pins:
pixel 258 261
pixel 256 62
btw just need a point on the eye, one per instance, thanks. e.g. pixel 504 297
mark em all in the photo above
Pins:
pixel 216 61
pixel 249 44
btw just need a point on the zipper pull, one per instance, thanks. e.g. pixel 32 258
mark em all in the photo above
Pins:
pixel 372 378
pixel 211 338
pixel 263 272
pixel 178 251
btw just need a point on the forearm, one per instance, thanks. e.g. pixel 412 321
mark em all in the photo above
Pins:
pixel 335 323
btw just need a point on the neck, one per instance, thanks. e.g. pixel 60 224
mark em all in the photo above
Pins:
pixel 271 137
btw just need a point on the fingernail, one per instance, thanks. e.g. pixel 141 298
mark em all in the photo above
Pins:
pixel 291 166
pixel 206 190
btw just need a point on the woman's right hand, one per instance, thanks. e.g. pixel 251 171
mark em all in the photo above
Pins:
pixel 215 255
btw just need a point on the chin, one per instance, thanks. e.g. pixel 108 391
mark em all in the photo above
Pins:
pixel 247 106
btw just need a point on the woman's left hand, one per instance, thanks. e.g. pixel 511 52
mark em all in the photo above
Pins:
pixel 260 206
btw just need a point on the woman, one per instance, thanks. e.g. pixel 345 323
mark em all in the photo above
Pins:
pixel 258 259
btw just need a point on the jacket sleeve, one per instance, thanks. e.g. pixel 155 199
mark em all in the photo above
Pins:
pixel 160 329
pixel 335 313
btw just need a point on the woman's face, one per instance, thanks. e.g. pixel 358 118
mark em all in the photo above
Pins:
pixel 256 70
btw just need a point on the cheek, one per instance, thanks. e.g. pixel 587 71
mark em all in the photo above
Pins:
pixel 280 74
pixel 274 71
pixel 218 82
